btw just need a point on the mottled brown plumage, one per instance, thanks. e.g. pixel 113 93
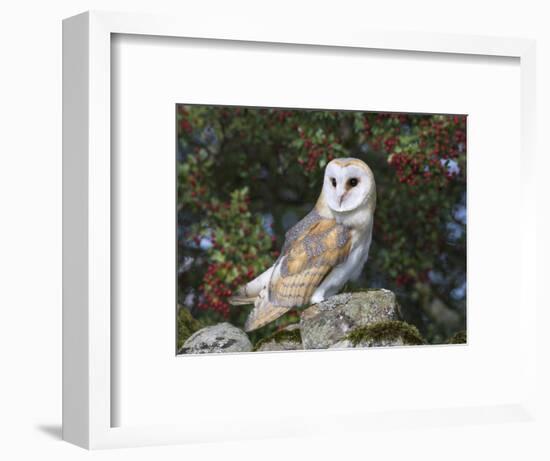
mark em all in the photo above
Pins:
pixel 312 248
pixel 307 261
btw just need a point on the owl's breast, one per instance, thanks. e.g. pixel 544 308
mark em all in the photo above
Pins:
pixel 358 255
pixel 361 237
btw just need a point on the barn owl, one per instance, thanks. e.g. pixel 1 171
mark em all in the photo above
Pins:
pixel 324 250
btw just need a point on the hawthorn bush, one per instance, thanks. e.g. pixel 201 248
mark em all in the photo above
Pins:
pixel 245 175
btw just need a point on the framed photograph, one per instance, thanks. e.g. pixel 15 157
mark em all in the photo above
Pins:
pixel 277 210
pixel 267 233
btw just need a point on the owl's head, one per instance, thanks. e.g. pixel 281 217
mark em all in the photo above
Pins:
pixel 348 184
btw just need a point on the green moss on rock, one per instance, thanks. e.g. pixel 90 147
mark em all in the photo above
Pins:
pixel 280 336
pixel 388 330
pixel 186 325
pixel 458 338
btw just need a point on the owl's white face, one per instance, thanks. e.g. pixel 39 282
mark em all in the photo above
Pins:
pixel 348 184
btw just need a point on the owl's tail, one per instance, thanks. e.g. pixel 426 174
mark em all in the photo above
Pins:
pixel 247 294
pixel 263 313
pixel 256 292
pixel 240 298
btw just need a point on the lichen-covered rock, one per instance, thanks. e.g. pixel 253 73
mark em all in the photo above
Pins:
pixel 458 338
pixel 325 324
pixel 288 339
pixel 222 337
pixel 380 334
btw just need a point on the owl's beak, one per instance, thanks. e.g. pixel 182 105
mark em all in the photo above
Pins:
pixel 341 199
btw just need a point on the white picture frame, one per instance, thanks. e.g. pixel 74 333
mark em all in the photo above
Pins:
pixel 87 361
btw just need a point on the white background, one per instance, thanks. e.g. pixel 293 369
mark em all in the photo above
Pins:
pixel 30 244
pixel 360 381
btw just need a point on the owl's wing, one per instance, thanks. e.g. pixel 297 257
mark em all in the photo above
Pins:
pixel 306 260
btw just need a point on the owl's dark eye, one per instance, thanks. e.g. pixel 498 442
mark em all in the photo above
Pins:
pixel 333 181
pixel 353 182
